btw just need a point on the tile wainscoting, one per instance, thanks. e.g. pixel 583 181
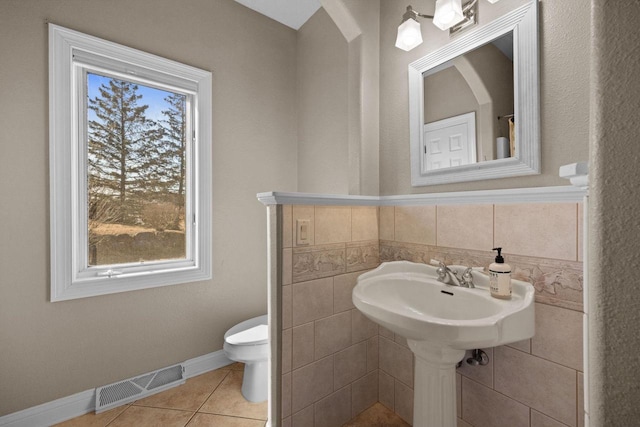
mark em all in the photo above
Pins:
pixel 330 350
pixel 336 363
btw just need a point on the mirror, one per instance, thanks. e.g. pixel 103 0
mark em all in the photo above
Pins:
pixel 468 104
pixel 474 104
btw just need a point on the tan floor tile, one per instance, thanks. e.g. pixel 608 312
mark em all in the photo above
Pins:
pixel 94 420
pixel 189 396
pixel 139 416
pixel 228 400
pixel 225 407
pixel 377 416
pixel 206 420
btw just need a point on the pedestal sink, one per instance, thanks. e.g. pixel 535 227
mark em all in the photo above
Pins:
pixel 440 323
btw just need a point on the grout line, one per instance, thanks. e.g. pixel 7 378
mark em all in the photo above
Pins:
pixel 117 416
pixel 436 226
pixel 493 245
pixel 462 400
pixel 190 419
pixel 351 222
pixel 151 407
pixel 208 397
pixel 213 391
pixel 499 392
pixel 394 223
pixel 525 404
pixel 537 356
pixel 578 231
pixel 578 396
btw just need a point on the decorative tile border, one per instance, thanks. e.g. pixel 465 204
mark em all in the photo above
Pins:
pixel 398 251
pixel 316 262
pixel 557 283
pixel 363 255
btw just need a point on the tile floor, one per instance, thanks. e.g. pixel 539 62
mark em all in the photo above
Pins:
pixel 210 399
pixel 377 416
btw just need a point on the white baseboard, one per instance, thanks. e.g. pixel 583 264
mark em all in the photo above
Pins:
pixel 200 365
pixel 52 412
pixel 78 404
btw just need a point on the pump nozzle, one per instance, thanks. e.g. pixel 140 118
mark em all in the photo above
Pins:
pixel 499 258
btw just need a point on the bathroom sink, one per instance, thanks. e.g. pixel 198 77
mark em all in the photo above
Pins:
pixel 408 299
pixel 440 322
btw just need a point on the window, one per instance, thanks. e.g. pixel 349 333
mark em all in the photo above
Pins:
pixel 130 168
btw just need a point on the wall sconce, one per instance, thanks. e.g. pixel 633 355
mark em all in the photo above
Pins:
pixel 409 34
pixel 449 14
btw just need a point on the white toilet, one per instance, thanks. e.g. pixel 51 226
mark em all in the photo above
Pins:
pixel 248 342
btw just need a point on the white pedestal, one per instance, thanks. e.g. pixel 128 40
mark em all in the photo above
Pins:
pixel 434 394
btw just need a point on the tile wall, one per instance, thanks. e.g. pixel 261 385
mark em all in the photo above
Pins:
pixel 330 350
pixel 336 362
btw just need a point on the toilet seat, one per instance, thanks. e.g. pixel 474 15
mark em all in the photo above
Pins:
pixel 253 336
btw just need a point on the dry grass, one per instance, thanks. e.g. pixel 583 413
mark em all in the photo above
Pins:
pixel 115 229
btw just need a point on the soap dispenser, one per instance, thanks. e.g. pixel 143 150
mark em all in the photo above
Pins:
pixel 500 277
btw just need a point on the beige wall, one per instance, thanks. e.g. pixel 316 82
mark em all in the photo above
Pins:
pixel 441 103
pixel 364 55
pixel 496 72
pixel 614 235
pixel 564 76
pixel 480 81
pixel 338 99
pixel 322 88
pixel 52 350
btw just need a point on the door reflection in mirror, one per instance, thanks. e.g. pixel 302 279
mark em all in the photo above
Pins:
pixel 479 83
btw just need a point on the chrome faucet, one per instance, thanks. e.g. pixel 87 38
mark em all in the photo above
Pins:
pixel 447 275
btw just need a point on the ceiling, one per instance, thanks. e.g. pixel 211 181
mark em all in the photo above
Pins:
pixel 292 13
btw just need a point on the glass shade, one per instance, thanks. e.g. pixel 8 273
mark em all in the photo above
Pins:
pixel 409 35
pixel 448 13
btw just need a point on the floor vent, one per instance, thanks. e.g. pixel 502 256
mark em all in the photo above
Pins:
pixel 116 394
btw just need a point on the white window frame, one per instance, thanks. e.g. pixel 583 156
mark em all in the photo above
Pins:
pixel 71 55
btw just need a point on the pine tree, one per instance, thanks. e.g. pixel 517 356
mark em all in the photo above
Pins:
pixel 175 140
pixel 120 138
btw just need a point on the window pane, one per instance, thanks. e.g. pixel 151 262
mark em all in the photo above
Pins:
pixel 136 169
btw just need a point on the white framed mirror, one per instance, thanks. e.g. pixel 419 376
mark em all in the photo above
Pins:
pixel 490 147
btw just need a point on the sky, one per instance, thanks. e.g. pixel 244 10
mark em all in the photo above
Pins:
pixel 152 97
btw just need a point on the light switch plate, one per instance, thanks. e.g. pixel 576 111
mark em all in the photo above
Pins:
pixel 303 231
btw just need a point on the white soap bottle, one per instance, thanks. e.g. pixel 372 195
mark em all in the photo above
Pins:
pixel 500 277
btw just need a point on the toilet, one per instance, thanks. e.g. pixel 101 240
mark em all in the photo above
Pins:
pixel 248 342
